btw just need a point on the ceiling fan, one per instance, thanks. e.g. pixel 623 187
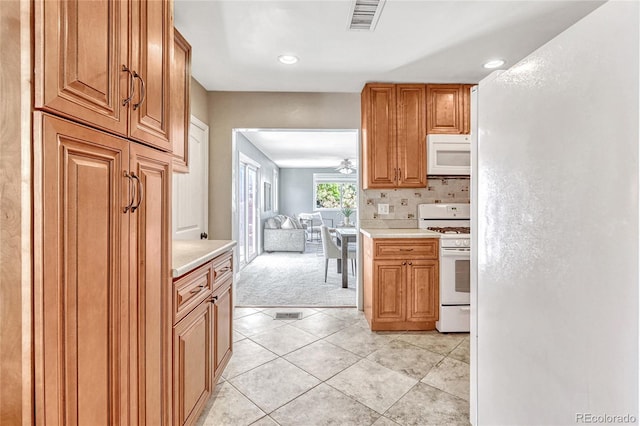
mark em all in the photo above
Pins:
pixel 346 167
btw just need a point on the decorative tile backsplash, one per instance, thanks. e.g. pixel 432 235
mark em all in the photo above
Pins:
pixel 403 203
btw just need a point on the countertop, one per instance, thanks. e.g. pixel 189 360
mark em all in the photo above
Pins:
pixel 188 255
pixel 398 233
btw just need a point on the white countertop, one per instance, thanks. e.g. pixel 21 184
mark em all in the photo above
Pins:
pixel 188 255
pixel 398 233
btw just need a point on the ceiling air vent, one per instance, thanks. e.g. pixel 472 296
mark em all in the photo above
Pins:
pixel 365 14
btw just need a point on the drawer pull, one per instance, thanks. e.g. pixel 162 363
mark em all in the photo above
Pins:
pixel 197 290
pixel 403 249
pixel 223 270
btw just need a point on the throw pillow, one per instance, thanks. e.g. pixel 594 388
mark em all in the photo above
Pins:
pixel 288 224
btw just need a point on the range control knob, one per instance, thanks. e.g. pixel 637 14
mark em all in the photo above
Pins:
pixel 458 243
pixel 467 243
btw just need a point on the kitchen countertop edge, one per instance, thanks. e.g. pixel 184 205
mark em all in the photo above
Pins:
pixel 398 233
pixel 188 255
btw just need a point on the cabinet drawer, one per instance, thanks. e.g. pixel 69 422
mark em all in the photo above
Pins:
pixel 403 248
pixel 190 290
pixel 222 268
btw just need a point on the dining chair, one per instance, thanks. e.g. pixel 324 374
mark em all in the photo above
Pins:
pixel 331 251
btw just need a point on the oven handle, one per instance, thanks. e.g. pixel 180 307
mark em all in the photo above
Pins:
pixel 455 251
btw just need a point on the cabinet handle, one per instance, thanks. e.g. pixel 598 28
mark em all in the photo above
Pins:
pixel 132 187
pixel 143 90
pixel 410 263
pixel 409 249
pixel 197 289
pixel 213 299
pixel 140 192
pixel 132 89
pixel 404 263
pixel 399 174
pixel 204 236
pixel 395 174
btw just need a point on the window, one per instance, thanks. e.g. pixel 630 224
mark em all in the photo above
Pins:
pixel 334 191
pixel 274 189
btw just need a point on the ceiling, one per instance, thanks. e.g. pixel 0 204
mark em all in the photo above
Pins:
pixel 305 148
pixel 236 43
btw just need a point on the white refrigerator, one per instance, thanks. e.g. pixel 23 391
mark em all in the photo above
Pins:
pixel 555 221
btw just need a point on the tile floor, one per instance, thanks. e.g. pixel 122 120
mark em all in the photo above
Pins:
pixel 330 369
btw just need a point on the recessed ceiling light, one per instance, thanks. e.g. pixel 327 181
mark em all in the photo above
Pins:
pixel 288 59
pixel 494 63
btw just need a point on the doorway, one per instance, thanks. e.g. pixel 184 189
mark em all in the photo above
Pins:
pixel 248 205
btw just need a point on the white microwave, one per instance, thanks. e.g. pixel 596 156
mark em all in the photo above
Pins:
pixel 448 155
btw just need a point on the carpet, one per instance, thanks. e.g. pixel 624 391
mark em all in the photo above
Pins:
pixel 293 279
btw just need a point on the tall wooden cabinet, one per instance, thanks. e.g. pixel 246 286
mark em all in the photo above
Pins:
pixel 394 136
pixel 102 297
pixel 112 71
pixel 102 212
pixel 401 283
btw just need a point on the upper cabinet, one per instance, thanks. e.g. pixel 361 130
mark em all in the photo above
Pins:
pixel 448 108
pixel 393 136
pixel 112 72
pixel 180 103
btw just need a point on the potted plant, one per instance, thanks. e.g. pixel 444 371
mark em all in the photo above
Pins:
pixel 346 212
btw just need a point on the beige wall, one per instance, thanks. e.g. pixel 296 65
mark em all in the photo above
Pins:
pixel 198 98
pixel 229 110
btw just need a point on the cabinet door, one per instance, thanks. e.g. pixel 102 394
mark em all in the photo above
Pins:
pixel 223 308
pixel 445 108
pixel 80 275
pixel 78 68
pixel 379 152
pixel 388 298
pixel 192 368
pixel 422 290
pixel 151 43
pixel 411 135
pixel 151 289
pixel 180 103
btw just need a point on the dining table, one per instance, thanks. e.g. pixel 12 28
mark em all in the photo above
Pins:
pixel 343 237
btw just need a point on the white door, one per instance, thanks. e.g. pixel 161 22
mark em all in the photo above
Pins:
pixel 191 190
pixel 248 210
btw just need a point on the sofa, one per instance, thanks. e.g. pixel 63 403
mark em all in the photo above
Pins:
pixel 283 233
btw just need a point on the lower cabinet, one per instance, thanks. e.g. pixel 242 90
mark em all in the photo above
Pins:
pixel 401 283
pixel 192 363
pixel 202 338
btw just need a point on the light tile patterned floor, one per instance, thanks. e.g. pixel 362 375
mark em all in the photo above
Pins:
pixel 330 369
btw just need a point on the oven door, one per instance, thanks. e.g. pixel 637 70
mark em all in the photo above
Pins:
pixel 455 276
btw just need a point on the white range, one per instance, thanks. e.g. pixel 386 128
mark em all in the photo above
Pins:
pixel 453 222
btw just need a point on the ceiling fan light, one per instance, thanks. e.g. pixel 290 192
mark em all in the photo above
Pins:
pixel 346 167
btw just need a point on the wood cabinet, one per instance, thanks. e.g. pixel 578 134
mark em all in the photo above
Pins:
pixel 111 72
pixel 193 363
pixel 102 290
pixel 394 136
pixel 401 283
pixel 202 334
pixel 150 298
pixel 180 102
pixel 448 108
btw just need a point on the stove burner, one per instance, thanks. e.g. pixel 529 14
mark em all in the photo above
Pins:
pixel 450 229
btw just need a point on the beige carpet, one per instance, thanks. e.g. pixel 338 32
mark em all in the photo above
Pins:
pixel 293 279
